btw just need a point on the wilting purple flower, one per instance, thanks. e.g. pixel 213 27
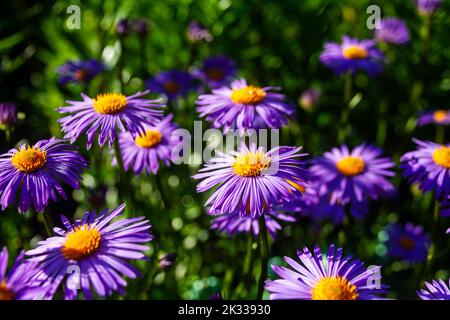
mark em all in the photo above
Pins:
pixel 429 166
pixel 392 30
pixel 428 7
pixel 172 83
pixel 145 151
pixel 123 27
pixel 217 71
pixel 242 106
pixel 235 223
pixel 8 114
pixel 35 174
pixel 437 290
pixel 252 181
pixel 408 243
pixel 353 176
pixel 309 99
pixel 94 248
pixel 197 32
pixel 105 113
pixel 330 277
pixel 437 117
pixel 141 27
pixel 79 71
pixel 353 55
pixel 20 282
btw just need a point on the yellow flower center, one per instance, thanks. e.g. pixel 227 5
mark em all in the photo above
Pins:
pixel 251 164
pixel 149 139
pixel 442 157
pixel 407 243
pixel 350 166
pixel 215 74
pixel 334 288
pixel 440 115
pixel 300 188
pixel 352 52
pixel 171 86
pixel 81 74
pixel 29 160
pixel 5 293
pixel 81 243
pixel 110 103
pixel 248 95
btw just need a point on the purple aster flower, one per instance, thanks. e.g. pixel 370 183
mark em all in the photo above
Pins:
pixel 20 282
pixel 251 181
pixel 408 243
pixel 309 99
pixel 123 27
pixel 197 32
pixel 172 83
pixel 353 176
pixel 244 106
pixel 141 27
pixel 39 171
pixel 166 260
pixel 96 248
pixel 437 117
pixel 217 71
pixel 79 71
pixel 428 7
pixel 235 223
pixel 8 114
pixel 107 111
pixel 353 55
pixel 330 277
pixel 392 30
pixel 429 166
pixel 437 290
pixel 146 150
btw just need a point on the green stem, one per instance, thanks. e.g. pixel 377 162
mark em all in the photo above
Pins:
pixel 124 183
pixel 343 121
pixel 440 134
pixel 143 56
pixel 382 124
pixel 432 252
pixel 46 221
pixel 264 244
pixel 121 64
pixel 159 184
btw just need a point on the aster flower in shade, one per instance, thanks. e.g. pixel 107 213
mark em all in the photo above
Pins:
pixel 309 99
pixel 217 71
pixel 141 27
pixel 437 290
pixel 197 32
pixel 97 246
pixel 242 106
pixel 36 173
pixel 429 166
pixel 330 277
pixel 437 117
pixel 20 282
pixel 353 55
pixel 172 83
pixel 105 113
pixel 234 223
pixel 144 151
pixel 252 181
pixel 353 176
pixel 79 71
pixel 8 114
pixel 392 30
pixel 408 243
pixel 427 7
pixel 124 27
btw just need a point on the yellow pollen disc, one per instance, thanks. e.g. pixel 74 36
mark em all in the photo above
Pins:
pixel 29 160
pixel 442 157
pixel 334 288
pixel 110 103
pixel 351 166
pixel 81 243
pixel 171 86
pixel 5 293
pixel 215 74
pixel 251 164
pixel 440 115
pixel 407 243
pixel 148 140
pixel 296 186
pixel 248 95
pixel 354 52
